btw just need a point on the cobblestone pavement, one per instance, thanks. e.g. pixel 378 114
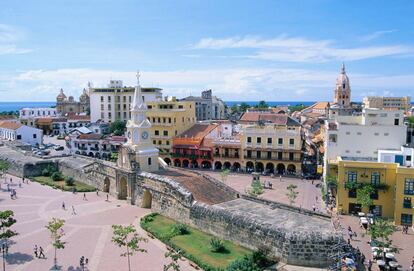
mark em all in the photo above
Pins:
pixel 308 197
pixel 88 233
pixel 405 242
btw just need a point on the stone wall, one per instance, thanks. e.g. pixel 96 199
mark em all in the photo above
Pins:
pixel 292 247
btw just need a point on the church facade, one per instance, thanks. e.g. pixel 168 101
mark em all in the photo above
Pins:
pixel 67 105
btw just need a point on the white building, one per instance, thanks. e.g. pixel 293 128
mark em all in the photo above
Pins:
pixel 114 102
pixel 362 136
pixel 208 107
pixel 403 156
pixel 13 131
pixel 37 112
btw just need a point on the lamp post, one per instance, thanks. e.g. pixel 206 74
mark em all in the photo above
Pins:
pixel 4 249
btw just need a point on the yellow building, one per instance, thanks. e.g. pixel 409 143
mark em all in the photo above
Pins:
pixel 273 144
pixel 394 188
pixel 169 119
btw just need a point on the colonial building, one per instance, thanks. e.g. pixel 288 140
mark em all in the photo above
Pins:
pixel 169 118
pixel 194 147
pixel 227 147
pixel 114 102
pixel 14 131
pixel 272 145
pixel 208 107
pixel 362 136
pixel 395 103
pixel 392 183
pixel 68 105
pixel 28 116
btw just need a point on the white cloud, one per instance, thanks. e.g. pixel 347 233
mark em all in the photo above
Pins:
pixel 230 84
pixel 376 35
pixel 9 36
pixel 289 49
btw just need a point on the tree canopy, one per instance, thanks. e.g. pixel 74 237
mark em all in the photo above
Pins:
pixel 117 127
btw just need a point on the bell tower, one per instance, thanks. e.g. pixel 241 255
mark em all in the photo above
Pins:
pixel 342 92
pixel 138 135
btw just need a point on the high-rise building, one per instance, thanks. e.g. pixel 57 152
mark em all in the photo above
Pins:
pixel 208 107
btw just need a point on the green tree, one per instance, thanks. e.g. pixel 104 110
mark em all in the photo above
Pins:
pixel 6 222
pixel 292 193
pixel 243 107
pixel 117 127
pixel 173 265
pixel 114 156
pixel 127 237
pixel 262 104
pixel 224 174
pixel 55 227
pixel 381 232
pixel 234 108
pixel 256 188
pixel 364 196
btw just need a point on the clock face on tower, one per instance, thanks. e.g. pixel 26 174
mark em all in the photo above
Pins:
pixel 144 135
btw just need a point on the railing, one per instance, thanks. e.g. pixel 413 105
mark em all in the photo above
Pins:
pixel 408 192
pixel 407 205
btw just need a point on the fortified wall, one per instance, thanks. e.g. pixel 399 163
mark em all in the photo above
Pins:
pixel 294 236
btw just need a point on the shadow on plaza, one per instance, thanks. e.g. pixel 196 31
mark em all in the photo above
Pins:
pixel 18 258
pixel 72 268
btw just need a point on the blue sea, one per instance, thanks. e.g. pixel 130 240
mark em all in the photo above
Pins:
pixel 286 103
pixel 15 106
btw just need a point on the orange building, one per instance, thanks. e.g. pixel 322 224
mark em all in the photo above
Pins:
pixel 194 147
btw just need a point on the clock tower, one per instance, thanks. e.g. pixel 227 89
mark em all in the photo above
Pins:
pixel 138 134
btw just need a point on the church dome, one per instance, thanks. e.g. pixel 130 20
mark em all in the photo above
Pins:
pixel 84 96
pixel 61 95
pixel 342 80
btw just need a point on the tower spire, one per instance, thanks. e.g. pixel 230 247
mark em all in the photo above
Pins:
pixel 343 68
pixel 137 95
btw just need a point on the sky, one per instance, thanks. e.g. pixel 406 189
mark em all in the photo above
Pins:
pixel 242 50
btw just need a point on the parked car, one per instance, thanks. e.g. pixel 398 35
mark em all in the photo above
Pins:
pixel 59 148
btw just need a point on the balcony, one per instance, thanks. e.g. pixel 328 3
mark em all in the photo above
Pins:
pixel 408 192
pixel 407 205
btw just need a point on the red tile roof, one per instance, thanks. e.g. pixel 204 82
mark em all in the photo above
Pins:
pixel 79 117
pixel 90 136
pixel 198 131
pixel 10 125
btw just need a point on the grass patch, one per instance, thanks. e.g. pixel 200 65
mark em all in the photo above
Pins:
pixel 80 187
pixel 4 165
pixel 195 245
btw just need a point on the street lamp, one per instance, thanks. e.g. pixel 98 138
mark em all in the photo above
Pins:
pixel 4 249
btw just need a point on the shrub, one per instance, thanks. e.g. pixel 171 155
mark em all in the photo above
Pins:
pixel 45 172
pixel 243 264
pixel 217 245
pixel 148 218
pixel 56 176
pixel 49 170
pixel 179 229
pixel 69 181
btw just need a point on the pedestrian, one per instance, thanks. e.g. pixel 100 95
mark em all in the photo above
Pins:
pixel 107 197
pixel 314 207
pixel 20 184
pixel 14 193
pixel 316 198
pixel 41 254
pixel 73 210
pixel 11 180
pixel 97 192
pixel 84 196
pixel 23 179
pixel 35 250
pixel 312 181
pixel 280 177
pixel 8 187
pixel 63 205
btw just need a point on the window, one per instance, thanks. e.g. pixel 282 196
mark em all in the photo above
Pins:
pixel 269 155
pixel 109 99
pixel 159 142
pixel 280 141
pixel 348 133
pixel 386 134
pixel 249 154
pixel 259 140
pixel 19 137
pixel 165 133
pixel 409 187
pixel 154 142
pixel 407 202
pixel 249 139
pixel 291 141
pixel 34 135
pixel 269 140
pixel 408 158
pixel 149 161
pixel 102 98
pixel 291 156
pixel 280 155
pixel 375 178
pixel 352 176
pixel 259 154
pixel 167 142
pixel 359 133
pixel 157 132
pixel 406 219
pixel 396 122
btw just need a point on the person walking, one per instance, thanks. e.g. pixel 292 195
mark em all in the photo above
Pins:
pixel 73 210
pixel 35 250
pixel 107 197
pixel 84 196
pixel 63 205
pixel 97 192
pixel 41 254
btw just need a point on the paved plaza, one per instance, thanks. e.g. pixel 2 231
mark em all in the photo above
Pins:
pixel 308 197
pixel 88 233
